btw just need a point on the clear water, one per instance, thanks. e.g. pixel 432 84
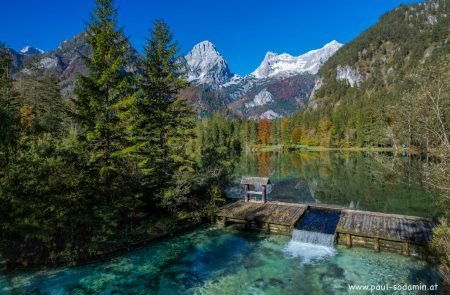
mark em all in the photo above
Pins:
pixel 367 181
pixel 222 261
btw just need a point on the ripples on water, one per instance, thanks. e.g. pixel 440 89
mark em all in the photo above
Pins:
pixel 221 261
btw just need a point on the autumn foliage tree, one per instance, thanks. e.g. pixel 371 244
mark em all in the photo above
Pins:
pixel 296 135
pixel 264 131
pixel 326 130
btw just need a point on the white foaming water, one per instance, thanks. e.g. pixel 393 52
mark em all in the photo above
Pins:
pixel 312 237
pixel 309 253
pixel 311 247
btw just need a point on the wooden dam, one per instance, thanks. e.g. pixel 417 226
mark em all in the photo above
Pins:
pixel 407 235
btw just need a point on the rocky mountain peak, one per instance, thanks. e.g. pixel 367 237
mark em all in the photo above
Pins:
pixel 30 50
pixel 207 66
pixel 285 65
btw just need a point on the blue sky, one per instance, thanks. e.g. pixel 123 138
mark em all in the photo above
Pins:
pixel 242 30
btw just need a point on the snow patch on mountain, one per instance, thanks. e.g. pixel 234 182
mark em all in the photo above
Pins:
pixel 270 114
pixel 207 66
pixel 236 79
pixel 30 50
pixel 349 74
pixel 260 99
pixel 284 65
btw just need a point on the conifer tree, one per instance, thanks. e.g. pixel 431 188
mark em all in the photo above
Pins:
pixel 161 122
pixel 8 110
pixel 39 92
pixel 100 92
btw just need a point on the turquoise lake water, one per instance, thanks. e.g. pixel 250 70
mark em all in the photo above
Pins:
pixel 214 260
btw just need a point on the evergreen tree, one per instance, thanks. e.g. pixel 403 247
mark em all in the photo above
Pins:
pixel 8 108
pixel 99 94
pixel 161 123
pixel 51 105
pixel 40 95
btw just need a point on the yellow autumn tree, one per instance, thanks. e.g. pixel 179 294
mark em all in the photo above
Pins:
pixel 296 135
pixel 27 116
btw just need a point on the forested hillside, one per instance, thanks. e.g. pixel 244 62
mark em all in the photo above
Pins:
pixel 369 85
pixel 387 88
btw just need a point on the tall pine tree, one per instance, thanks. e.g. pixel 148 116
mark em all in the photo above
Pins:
pixel 100 92
pixel 161 122
pixel 8 108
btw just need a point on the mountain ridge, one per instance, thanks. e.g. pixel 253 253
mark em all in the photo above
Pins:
pixel 208 72
pixel 285 64
pixel 289 78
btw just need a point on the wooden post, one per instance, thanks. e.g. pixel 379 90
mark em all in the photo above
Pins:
pixel 349 241
pixel 264 192
pixel 376 244
pixel 247 188
pixel 405 250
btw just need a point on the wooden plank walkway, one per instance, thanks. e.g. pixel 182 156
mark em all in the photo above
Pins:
pixel 379 231
pixel 386 226
pixel 271 212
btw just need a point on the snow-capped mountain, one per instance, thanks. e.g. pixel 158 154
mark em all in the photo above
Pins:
pixel 285 65
pixel 207 66
pixel 65 61
pixel 279 87
pixel 30 50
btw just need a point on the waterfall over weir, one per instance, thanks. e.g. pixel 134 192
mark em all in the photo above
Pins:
pixel 311 237
pixel 317 227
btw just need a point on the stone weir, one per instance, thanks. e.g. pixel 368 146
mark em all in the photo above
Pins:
pixel 407 235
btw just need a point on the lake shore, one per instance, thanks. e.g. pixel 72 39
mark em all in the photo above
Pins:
pixel 270 148
pixel 163 229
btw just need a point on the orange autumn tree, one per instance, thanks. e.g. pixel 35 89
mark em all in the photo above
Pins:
pixel 264 131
